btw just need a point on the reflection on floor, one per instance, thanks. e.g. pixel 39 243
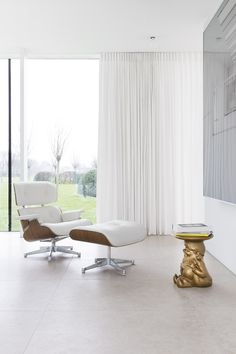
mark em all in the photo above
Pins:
pixel 53 308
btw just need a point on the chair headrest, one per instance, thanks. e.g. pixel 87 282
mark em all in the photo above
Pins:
pixel 34 193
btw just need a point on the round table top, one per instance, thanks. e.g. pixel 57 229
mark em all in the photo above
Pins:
pixel 195 238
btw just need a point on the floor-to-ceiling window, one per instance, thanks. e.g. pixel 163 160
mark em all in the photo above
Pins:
pixel 60 131
pixel 15 138
pixel 9 139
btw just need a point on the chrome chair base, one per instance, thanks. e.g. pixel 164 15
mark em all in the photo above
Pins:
pixel 108 261
pixel 53 248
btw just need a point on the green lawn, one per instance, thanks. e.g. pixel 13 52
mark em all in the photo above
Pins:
pixel 68 200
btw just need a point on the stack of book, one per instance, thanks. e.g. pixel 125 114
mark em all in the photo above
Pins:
pixel 193 230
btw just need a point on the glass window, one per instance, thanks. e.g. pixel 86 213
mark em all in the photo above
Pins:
pixel 61 110
pixel 15 123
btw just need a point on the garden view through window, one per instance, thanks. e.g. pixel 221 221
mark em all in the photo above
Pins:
pixel 61 122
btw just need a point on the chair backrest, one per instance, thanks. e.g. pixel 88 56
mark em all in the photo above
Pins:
pixel 31 198
pixel 35 193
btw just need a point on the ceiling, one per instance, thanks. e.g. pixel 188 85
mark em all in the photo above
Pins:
pixel 61 28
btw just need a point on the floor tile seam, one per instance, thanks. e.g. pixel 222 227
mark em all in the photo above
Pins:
pixel 146 280
pixel 116 256
pixel 93 310
pixel 38 280
pixel 60 279
pixel 20 311
pixel 45 309
pixel 33 332
pixel 120 280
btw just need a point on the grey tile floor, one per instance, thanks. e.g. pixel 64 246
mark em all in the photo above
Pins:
pixel 48 308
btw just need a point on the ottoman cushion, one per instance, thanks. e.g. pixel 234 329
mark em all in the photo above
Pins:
pixel 114 233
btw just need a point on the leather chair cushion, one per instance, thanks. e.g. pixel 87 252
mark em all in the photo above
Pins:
pixel 63 228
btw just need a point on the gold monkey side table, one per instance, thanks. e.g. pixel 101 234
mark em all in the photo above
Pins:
pixel 193 271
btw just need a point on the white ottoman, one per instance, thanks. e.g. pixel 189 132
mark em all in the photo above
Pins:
pixel 116 233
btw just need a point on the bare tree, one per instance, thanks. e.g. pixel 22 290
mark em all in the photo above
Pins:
pixel 58 146
pixel 15 163
pixel 94 164
pixel 28 152
pixel 3 164
pixel 76 165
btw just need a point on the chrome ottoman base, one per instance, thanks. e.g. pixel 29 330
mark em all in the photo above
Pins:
pixel 108 261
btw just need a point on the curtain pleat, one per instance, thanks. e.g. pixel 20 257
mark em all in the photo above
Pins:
pixel 150 139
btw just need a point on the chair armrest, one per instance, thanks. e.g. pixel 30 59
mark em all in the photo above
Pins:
pixel 71 215
pixel 28 217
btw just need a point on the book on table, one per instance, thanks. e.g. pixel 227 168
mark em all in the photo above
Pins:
pixel 193 230
pixel 193 234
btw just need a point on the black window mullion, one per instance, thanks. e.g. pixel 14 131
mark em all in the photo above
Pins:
pixel 9 150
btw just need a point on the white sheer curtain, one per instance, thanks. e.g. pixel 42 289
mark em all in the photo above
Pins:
pixel 150 139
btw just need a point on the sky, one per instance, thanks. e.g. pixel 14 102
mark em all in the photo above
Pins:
pixel 60 96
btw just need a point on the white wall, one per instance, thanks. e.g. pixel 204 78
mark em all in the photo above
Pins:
pixel 221 216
